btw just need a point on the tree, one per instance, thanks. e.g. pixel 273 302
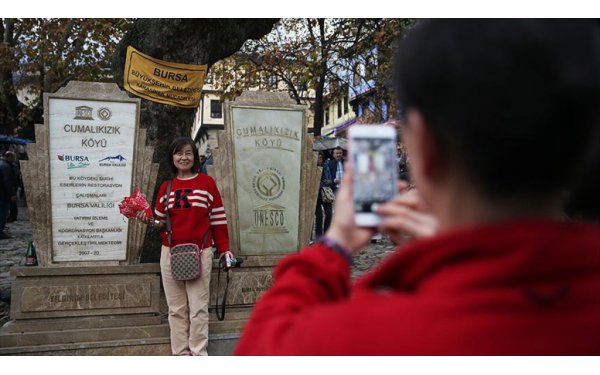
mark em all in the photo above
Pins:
pixel 188 41
pixel 40 55
pixel 309 55
pixel 384 38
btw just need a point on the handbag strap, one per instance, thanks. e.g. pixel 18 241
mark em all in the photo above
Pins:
pixel 167 213
pixel 221 316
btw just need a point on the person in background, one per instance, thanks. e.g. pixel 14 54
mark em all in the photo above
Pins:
pixel 323 208
pixel 195 208
pixel 336 167
pixel 503 272
pixel 402 163
pixel 8 190
pixel 13 211
pixel 206 161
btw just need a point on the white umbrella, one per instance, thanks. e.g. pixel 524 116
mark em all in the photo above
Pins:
pixel 329 144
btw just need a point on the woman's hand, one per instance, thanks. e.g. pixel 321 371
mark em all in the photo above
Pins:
pixel 142 217
pixel 406 217
pixel 343 228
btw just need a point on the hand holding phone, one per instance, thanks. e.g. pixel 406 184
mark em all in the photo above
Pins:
pixel 343 227
pixel 372 152
pixel 406 217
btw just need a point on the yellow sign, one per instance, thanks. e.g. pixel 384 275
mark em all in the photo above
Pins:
pixel 163 82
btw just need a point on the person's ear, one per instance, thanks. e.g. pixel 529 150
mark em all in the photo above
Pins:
pixel 423 146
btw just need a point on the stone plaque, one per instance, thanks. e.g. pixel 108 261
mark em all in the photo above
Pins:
pixel 91 296
pixel 64 292
pixel 268 144
pixel 91 150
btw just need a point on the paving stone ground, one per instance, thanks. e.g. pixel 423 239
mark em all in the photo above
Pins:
pixel 13 250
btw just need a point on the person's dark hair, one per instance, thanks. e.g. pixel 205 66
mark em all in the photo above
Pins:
pixel 176 146
pixel 515 101
pixel 583 202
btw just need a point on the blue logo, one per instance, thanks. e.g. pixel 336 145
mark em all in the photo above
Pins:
pixel 113 161
pixel 118 157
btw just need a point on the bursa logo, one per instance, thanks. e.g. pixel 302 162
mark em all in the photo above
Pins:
pixel 113 161
pixel 74 161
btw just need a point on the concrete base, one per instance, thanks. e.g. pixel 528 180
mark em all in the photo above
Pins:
pixel 137 341
pixel 113 335
pixel 141 340
pixel 116 310
pixel 219 345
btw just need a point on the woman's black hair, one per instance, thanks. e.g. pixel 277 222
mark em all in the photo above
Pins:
pixel 503 96
pixel 176 146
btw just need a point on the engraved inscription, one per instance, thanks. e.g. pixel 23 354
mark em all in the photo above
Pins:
pixel 269 218
pixel 85 297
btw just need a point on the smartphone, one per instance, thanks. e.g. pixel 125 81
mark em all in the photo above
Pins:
pixel 372 152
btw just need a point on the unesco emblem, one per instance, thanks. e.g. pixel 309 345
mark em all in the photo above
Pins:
pixel 104 114
pixel 83 112
pixel 268 183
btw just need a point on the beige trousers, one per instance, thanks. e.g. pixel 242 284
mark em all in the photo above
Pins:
pixel 188 306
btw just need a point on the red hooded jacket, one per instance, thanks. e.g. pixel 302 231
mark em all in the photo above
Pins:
pixel 527 287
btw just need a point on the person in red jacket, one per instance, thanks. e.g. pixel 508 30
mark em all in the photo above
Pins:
pixel 195 210
pixel 487 104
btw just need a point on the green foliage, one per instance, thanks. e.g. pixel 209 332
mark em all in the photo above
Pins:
pixel 40 55
pixel 308 54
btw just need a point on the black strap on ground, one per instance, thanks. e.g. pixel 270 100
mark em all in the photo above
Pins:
pixel 221 315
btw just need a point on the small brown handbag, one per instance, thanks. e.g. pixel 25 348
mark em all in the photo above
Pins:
pixel 327 194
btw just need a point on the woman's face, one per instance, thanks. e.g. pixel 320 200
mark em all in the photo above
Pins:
pixel 320 160
pixel 184 159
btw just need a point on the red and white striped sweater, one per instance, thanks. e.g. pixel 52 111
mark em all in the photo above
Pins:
pixel 195 206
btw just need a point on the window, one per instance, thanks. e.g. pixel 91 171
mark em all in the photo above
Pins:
pixel 346 104
pixel 327 116
pixel 216 111
pixel 334 85
pixel 384 110
pixel 369 73
pixel 357 74
pixel 369 67
pixel 339 108
pixel 301 84
pixel 365 108
pixel 272 81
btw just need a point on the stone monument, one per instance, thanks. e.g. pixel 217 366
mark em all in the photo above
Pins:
pixel 267 173
pixel 89 294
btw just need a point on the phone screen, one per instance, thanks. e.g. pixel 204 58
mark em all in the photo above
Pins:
pixel 374 162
